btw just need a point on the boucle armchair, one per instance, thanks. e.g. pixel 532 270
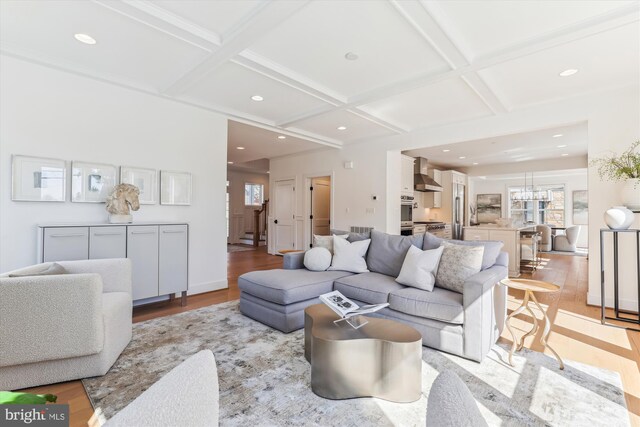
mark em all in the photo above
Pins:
pixel 567 242
pixel 63 327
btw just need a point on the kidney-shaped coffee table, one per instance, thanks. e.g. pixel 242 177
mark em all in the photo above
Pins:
pixel 381 359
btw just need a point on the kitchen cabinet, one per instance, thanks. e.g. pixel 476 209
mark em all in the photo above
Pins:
pixel 406 176
pixel 510 237
pixel 158 252
pixel 433 199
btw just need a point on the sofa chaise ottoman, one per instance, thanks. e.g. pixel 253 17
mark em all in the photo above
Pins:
pixel 465 324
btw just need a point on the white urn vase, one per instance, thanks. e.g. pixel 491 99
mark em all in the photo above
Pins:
pixel 631 194
pixel 618 218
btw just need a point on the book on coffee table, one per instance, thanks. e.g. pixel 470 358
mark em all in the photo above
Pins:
pixel 347 309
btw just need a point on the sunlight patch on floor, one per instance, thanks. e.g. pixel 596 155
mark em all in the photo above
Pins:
pixel 592 328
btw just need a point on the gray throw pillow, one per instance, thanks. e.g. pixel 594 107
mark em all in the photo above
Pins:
pixel 54 268
pixel 387 252
pixel 457 264
pixel 492 248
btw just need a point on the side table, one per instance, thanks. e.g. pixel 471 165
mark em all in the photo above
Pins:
pixel 529 287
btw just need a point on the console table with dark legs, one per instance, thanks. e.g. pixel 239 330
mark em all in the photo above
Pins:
pixel 631 317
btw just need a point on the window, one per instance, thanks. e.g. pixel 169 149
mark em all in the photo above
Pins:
pixel 550 211
pixel 253 194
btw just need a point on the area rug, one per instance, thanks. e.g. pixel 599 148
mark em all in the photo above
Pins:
pixel 237 248
pixel 264 379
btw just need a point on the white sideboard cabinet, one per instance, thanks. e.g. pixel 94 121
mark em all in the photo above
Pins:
pixel 159 252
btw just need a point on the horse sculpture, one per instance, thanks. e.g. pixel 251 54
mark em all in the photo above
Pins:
pixel 122 198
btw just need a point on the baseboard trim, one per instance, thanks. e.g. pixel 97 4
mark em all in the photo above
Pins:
pixel 201 288
pixel 625 303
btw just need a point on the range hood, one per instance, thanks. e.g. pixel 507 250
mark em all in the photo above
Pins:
pixel 422 181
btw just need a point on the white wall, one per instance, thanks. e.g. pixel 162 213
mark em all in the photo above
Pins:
pixel 352 189
pixel 572 181
pixel 613 122
pixel 49 113
pixel 241 216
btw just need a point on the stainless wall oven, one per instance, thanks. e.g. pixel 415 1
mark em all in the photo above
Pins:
pixel 406 214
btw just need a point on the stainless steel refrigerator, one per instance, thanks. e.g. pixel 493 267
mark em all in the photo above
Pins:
pixel 458 211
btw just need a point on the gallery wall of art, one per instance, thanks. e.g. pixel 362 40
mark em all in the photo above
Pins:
pixel 51 114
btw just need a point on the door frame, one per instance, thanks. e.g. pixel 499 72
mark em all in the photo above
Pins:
pixel 271 243
pixel 306 225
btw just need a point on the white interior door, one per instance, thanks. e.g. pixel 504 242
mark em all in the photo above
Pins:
pixel 321 206
pixel 284 215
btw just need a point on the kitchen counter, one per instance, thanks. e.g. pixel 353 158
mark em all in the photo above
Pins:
pixel 509 236
pixel 496 227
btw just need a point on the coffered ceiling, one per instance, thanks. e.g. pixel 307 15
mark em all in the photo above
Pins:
pixel 565 142
pixel 414 64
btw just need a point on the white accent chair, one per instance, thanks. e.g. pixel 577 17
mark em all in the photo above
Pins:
pixel 66 326
pixel 567 242
pixel 187 396
pixel 546 238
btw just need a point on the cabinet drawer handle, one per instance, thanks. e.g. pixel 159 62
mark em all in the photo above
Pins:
pixel 143 232
pixel 67 235
pixel 173 231
pixel 107 234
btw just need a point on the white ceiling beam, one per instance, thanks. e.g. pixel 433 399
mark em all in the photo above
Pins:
pixel 149 14
pixel 608 21
pixel 244 35
pixel 425 22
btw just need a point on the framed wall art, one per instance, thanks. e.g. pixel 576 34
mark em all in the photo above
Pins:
pixel 175 188
pixel 38 179
pixel 91 182
pixel 488 208
pixel 145 179
pixel 580 207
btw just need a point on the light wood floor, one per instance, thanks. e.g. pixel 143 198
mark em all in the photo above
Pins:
pixel 576 335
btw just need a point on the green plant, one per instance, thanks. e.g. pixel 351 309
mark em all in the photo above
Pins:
pixel 622 167
pixel 13 398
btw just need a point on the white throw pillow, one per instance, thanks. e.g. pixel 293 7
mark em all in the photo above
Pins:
pixel 317 259
pixel 326 241
pixel 350 256
pixel 419 268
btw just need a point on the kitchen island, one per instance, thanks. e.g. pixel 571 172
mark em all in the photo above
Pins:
pixel 510 236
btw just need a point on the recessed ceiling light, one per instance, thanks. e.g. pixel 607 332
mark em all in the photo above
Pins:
pixel 351 56
pixel 229 163
pixel 446 150
pixel 475 163
pixel 557 135
pixel 342 128
pixel 257 98
pixel 562 146
pixel 239 148
pixel 565 154
pixel 282 137
pixel 568 72
pixel 462 157
pixel 85 38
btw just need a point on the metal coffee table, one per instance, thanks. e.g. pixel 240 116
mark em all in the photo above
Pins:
pixel 381 359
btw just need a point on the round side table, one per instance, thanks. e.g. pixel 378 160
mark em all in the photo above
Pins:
pixel 530 287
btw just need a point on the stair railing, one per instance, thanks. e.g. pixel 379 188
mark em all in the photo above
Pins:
pixel 260 223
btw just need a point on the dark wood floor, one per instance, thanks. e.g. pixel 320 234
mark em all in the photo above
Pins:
pixel 576 335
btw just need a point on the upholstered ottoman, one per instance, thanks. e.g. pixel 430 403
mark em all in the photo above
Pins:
pixel 278 297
